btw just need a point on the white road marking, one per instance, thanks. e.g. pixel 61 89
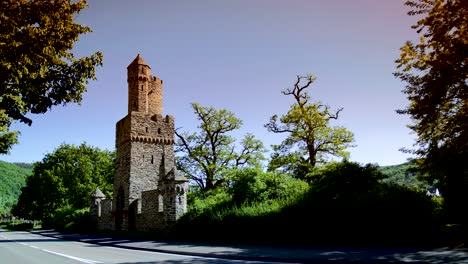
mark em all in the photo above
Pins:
pixel 72 257
pixel 56 253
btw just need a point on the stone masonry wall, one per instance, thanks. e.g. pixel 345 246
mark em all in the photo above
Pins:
pixel 122 171
pixel 106 219
pixel 155 95
pixel 175 200
pixel 145 160
pixel 151 213
pixel 141 142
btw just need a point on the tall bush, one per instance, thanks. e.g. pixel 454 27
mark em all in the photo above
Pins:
pixel 251 185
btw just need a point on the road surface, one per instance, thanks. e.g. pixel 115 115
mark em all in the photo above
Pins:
pixel 25 247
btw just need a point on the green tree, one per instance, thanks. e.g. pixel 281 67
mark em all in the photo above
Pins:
pixel 435 72
pixel 339 179
pixel 310 138
pixel 207 154
pixel 253 185
pixel 37 68
pixel 65 178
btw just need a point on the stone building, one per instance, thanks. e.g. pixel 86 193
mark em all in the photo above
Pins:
pixel 148 192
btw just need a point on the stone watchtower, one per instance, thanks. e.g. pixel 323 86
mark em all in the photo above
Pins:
pixel 145 161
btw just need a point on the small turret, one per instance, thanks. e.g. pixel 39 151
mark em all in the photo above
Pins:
pixel 144 90
pixel 174 188
pixel 97 194
pixel 95 202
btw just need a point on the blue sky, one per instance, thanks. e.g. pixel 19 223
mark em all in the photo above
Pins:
pixel 239 55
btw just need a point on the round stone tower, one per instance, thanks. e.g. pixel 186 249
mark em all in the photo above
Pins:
pixel 144 90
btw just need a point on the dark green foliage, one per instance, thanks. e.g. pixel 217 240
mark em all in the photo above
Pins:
pixel 449 172
pixel 252 192
pixel 253 195
pixel 69 219
pixel 293 163
pixel 346 204
pixel 387 214
pixel 349 204
pixel 205 202
pixel 17 225
pixel 436 77
pixel 12 179
pixel 65 178
pixel 341 178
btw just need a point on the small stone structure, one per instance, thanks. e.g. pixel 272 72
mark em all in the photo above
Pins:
pixel 148 192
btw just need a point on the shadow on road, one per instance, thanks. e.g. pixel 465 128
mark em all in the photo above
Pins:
pixel 245 254
pixel 29 240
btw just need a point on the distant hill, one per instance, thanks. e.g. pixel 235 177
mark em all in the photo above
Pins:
pixel 23 165
pixel 12 178
pixel 403 174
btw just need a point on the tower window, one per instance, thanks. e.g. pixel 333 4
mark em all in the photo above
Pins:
pixel 160 203
pixel 146 129
pixel 142 87
pixel 152 159
pixel 159 130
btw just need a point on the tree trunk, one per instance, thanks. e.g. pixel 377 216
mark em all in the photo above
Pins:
pixel 312 155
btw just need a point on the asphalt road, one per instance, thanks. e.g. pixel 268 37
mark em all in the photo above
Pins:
pixel 25 247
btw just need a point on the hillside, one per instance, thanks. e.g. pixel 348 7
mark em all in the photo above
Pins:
pixel 403 174
pixel 12 178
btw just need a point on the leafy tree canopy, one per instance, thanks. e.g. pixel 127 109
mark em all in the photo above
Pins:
pixel 436 75
pixel 37 68
pixel 65 178
pixel 310 138
pixel 207 154
pixel 340 178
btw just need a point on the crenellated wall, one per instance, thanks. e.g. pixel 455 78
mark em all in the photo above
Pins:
pixel 143 127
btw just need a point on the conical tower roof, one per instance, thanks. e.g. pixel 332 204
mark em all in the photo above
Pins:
pixel 139 61
pixel 98 194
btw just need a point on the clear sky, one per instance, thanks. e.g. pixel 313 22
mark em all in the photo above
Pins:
pixel 239 55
